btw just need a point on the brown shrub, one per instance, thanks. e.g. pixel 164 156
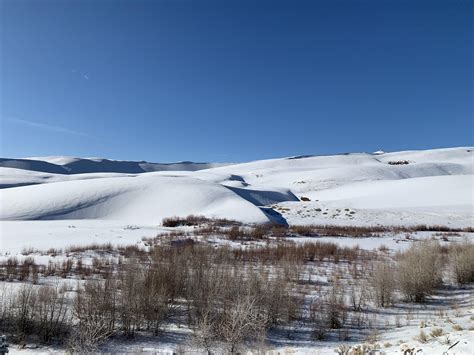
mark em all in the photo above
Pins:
pixel 462 260
pixel 419 270
pixel 193 220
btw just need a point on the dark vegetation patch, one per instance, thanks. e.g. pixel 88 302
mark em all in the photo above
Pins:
pixel 193 220
pixel 398 162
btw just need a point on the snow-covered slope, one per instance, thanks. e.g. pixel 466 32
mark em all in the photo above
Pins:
pixel 145 199
pixel 432 186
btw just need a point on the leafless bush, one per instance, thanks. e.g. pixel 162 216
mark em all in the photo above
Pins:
pixel 106 247
pixel 66 267
pixel 28 251
pixel 241 322
pixel 161 285
pixel 335 309
pixel 95 311
pixel 25 268
pixel 419 270
pixel 462 259
pixel 230 310
pixel 51 312
pixel 358 294
pixel 383 283
pixel 11 268
pixel 193 220
pixel 318 322
pixel 6 298
pixel 128 302
pixel 53 252
pixel 240 233
pixel 23 310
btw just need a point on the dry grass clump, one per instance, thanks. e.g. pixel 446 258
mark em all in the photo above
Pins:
pixel 422 337
pixel 436 332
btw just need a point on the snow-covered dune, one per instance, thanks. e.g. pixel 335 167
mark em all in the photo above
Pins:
pixel 137 199
pixel 429 183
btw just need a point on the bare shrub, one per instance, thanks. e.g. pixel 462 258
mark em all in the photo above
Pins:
pixel 462 259
pixel 51 312
pixel 95 309
pixel 422 337
pixel 436 332
pixel 161 285
pixel 242 321
pixel 23 310
pixel 358 294
pixel 335 309
pixel 318 322
pixel 193 220
pixel 6 307
pixel 128 302
pixel 106 247
pixel 383 283
pixel 25 268
pixel 11 268
pixel 250 233
pixel 419 270
pixel 66 267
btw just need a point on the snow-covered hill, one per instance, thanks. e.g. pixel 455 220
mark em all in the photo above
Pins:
pixel 69 165
pixel 431 186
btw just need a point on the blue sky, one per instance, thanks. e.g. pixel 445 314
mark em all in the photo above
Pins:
pixel 233 80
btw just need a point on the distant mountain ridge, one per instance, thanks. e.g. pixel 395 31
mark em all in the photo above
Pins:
pixel 68 165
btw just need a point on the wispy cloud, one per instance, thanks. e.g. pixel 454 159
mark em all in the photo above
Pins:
pixel 47 127
pixel 84 76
